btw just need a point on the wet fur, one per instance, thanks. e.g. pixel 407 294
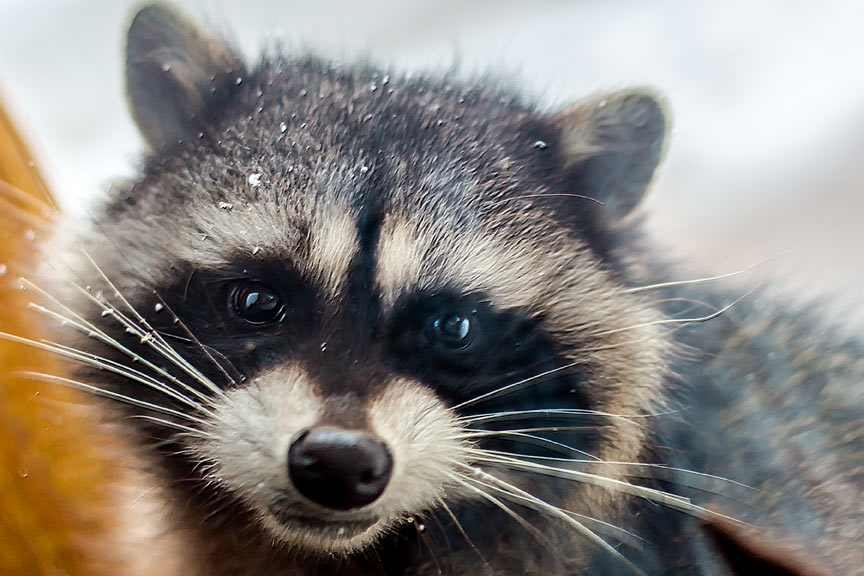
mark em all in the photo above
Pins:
pixel 369 194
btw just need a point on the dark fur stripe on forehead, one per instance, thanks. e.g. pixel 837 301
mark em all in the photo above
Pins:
pixel 291 119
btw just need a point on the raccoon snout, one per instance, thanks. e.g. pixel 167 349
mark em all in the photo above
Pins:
pixel 339 469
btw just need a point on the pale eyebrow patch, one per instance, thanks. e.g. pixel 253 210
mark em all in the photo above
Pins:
pixel 401 249
pixel 334 244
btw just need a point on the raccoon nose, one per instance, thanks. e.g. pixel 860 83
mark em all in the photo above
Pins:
pixel 339 469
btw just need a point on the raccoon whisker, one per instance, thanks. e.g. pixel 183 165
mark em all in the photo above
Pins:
pixel 421 534
pixel 103 364
pixel 149 381
pixel 548 412
pixel 706 279
pixel 447 543
pixel 471 485
pixel 685 321
pixel 169 424
pixel 198 343
pixel 222 357
pixel 700 303
pixel 552 195
pixel 525 498
pixel 622 535
pixel 519 436
pixel 154 341
pixel 667 499
pixel 88 328
pixel 107 394
pixel 482 433
pixel 150 336
pixel 461 530
pixel 646 470
pixel 515 385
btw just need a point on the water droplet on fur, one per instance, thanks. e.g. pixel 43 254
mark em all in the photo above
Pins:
pixel 254 180
pixel 158 307
pixel 373 87
pixel 364 169
pixel 283 127
pixel 23 472
pixel 421 527
pixel 323 347
pixel 602 104
pixel 341 531
pixel 540 145
pixel 410 519
pixel 166 67
pixel 30 235
pixel 225 206
pixel 385 80
pixel 107 312
pixel 303 92
pixel 256 250
pixel 3 270
pixel 238 81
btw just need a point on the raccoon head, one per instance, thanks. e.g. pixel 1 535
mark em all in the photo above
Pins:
pixel 360 297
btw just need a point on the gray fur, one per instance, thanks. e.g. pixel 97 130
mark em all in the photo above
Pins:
pixel 365 190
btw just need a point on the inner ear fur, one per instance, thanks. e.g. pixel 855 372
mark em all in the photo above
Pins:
pixel 175 72
pixel 611 146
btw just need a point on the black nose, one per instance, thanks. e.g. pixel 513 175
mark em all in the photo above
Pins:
pixel 339 469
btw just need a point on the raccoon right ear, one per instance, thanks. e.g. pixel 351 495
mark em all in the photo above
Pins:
pixel 611 146
pixel 175 72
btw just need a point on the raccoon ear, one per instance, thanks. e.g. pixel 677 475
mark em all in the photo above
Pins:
pixel 175 71
pixel 611 146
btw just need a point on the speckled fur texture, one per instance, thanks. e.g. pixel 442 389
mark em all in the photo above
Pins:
pixel 554 442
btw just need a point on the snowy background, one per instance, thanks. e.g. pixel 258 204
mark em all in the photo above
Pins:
pixel 767 151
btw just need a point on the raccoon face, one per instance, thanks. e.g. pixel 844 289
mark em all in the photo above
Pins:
pixel 361 298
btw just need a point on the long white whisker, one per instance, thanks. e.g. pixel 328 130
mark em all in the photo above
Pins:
pixel 197 342
pixel 673 501
pixel 461 529
pixel 647 470
pixel 469 484
pixel 86 327
pixel 515 386
pixel 686 321
pixel 102 364
pixel 638 289
pixel 108 394
pixel 148 335
pixel 560 514
pixel 168 424
pixel 539 440
pixel 606 528
pixel 540 412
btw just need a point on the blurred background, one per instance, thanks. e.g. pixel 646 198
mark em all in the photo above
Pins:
pixel 767 150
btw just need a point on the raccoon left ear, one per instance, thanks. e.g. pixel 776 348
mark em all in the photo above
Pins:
pixel 611 146
pixel 175 72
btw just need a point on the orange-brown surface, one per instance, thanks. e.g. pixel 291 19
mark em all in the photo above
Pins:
pixel 54 507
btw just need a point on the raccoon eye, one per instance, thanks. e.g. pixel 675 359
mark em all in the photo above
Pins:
pixel 256 303
pixel 452 330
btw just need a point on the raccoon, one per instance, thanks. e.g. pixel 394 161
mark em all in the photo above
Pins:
pixel 370 323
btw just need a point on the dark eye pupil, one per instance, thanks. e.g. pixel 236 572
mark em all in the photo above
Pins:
pixel 256 303
pixel 452 330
